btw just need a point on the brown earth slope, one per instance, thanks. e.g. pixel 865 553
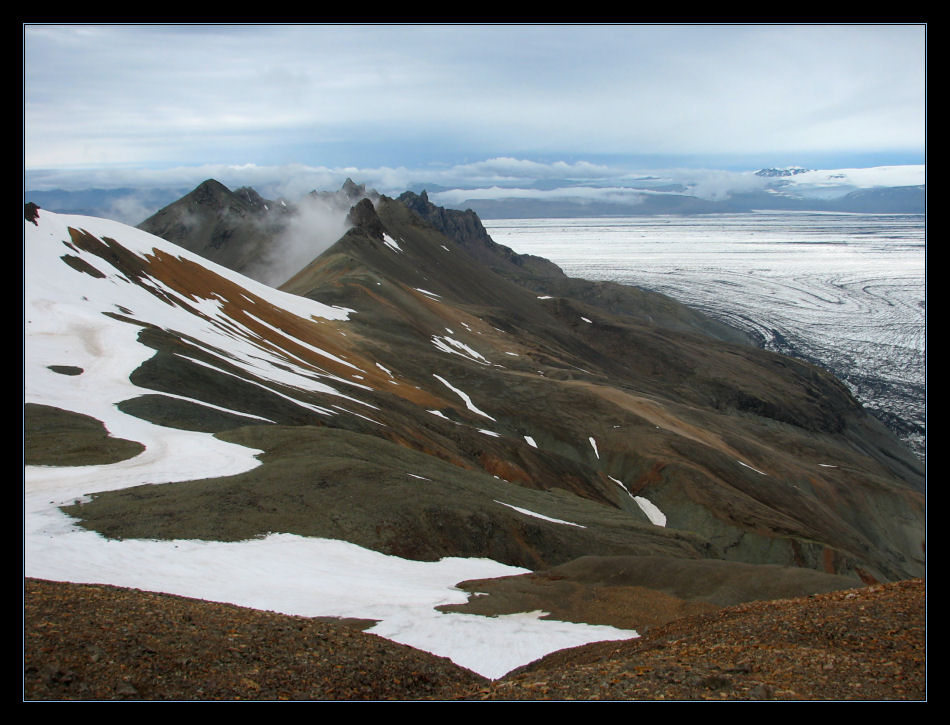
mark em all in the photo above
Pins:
pixel 85 642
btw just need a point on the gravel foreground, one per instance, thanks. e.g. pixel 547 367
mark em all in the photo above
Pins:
pixel 93 642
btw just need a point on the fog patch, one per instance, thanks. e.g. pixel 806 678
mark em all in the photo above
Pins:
pixel 579 194
pixel 131 209
pixel 717 185
pixel 313 226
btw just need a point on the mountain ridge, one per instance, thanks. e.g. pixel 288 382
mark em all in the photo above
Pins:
pixel 472 415
pixel 883 200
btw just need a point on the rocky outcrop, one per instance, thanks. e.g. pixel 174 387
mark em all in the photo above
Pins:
pixel 467 229
pixel 31 212
pixel 347 195
pixel 364 217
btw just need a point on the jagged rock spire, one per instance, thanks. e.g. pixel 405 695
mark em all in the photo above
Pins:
pixel 363 215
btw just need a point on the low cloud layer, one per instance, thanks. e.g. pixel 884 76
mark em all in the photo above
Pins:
pixel 139 192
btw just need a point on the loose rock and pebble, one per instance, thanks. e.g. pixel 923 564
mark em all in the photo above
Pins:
pixel 95 642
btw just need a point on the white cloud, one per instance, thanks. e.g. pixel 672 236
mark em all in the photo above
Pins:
pixel 316 225
pixel 506 168
pixel 102 95
pixel 452 186
pixel 293 180
pixel 455 197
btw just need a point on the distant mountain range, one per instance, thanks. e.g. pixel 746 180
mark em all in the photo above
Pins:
pixel 419 391
pixel 879 191
pixel 891 200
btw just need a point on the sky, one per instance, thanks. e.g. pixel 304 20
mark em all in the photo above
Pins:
pixel 291 108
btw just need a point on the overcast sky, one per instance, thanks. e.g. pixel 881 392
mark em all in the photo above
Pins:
pixel 149 103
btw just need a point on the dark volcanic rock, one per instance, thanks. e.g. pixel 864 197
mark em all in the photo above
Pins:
pixel 234 229
pixel 363 215
pixel 347 195
pixel 467 230
pixel 352 190
pixel 31 212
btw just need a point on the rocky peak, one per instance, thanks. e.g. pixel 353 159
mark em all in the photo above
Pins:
pixel 213 196
pixel 211 192
pixel 363 215
pixel 352 190
pixel 347 195
pixel 249 195
pixel 465 228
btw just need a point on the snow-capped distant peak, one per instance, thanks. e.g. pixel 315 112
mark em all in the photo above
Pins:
pixel 787 171
pixel 875 176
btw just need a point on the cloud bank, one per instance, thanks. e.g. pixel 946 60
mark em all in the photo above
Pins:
pixel 136 195
pixel 316 224
pixel 423 94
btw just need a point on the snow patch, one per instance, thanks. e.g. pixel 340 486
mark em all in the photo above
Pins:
pixel 515 639
pixel 651 510
pixel 204 404
pixel 350 412
pixel 536 515
pixel 451 345
pixel 750 467
pixel 464 396
pixel 391 243
pixel 302 343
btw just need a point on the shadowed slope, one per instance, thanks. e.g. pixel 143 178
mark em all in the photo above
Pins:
pixel 763 454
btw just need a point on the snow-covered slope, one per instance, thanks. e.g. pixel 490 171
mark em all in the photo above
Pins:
pixel 90 286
